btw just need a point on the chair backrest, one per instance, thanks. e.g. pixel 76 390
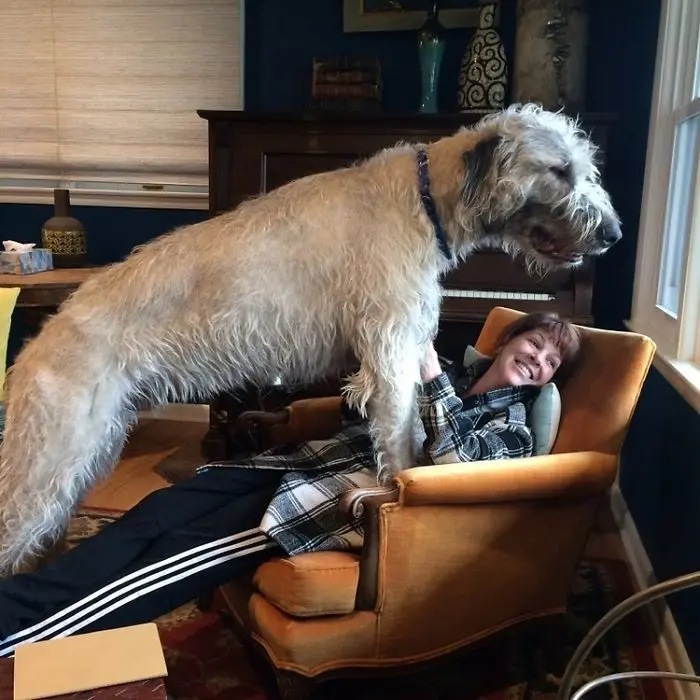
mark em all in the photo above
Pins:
pixel 599 398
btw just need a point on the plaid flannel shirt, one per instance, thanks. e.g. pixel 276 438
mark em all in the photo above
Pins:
pixel 492 425
pixel 303 515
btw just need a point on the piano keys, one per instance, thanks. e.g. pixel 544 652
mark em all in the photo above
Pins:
pixel 490 278
pixel 498 296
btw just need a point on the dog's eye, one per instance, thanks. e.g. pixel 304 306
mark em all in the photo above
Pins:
pixel 562 172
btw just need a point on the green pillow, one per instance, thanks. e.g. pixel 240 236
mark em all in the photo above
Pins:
pixel 545 414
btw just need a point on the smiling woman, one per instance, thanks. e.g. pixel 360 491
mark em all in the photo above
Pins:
pixel 548 338
pixel 530 352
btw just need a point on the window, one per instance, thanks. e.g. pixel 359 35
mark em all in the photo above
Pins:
pixel 679 211
pixel 667 279
pixel 100 96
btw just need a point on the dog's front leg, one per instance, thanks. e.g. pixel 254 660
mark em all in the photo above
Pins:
pixel 387 387
pixel 391 413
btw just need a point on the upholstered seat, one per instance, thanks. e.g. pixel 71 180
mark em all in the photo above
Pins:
pixel 452 553
pixel 311 585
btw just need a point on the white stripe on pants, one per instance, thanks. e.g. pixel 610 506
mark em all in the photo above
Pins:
pixel 126 589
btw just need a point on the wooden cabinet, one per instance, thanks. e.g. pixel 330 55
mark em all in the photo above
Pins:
pixel 251 154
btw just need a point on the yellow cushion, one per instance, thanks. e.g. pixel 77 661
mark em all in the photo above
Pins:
pixel 8 299
pixel 311 584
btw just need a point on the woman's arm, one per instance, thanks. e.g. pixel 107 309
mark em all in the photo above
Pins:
pixel 452 436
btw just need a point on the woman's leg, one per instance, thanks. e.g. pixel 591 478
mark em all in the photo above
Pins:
pixel 176 544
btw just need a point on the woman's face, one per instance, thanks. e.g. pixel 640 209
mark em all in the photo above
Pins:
pixel 531 358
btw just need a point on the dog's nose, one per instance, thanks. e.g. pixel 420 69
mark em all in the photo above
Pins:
pixel 609 233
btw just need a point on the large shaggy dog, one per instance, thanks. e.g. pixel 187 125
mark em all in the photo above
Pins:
pixel 289 284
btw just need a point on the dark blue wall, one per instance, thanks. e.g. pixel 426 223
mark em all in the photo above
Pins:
pixel 111 231
pixel 660 480
pixel 283 38
pixel 622 53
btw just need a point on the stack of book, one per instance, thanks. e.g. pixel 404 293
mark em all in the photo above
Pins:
pixel 346 84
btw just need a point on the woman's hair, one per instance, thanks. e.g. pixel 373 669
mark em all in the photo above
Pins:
pixel 564 334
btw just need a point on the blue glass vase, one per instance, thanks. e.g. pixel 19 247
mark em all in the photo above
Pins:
pixel 431 49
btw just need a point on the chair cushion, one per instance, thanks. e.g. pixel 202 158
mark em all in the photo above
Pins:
pixel 545 414
pixel 312 584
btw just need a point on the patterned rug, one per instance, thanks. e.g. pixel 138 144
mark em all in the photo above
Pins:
pixel 206 661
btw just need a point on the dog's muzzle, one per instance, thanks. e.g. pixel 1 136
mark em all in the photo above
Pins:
pixel 609 234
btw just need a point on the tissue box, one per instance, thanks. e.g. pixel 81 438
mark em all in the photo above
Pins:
pixel 26 262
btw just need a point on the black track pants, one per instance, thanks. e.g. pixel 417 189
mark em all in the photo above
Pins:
pixel 175 545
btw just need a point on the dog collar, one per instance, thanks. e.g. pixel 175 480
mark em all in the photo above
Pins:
pixel 429 203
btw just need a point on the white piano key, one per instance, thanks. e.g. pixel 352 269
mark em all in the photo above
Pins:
pixel 487 294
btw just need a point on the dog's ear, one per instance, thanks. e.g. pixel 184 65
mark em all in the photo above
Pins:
pixel 478 165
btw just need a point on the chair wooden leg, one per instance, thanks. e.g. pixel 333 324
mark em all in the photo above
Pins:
pixel 292 686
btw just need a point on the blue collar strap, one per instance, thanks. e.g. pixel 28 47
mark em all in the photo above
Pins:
pixel 429 203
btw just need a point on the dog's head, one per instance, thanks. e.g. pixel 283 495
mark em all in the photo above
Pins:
pixel 532 186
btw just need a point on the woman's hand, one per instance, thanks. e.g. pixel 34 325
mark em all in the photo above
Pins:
pixel 430 367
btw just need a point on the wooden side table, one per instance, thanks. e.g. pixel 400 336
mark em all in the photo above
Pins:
pixel 47 289
pixel 43 292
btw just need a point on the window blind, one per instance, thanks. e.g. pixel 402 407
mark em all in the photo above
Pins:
pixel 106 91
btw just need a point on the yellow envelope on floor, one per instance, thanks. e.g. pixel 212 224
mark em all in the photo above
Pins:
pixel 88 661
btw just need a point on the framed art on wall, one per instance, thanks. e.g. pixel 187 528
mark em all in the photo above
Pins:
pixel 394 15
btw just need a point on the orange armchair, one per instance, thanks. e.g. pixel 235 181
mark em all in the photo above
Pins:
pixel 452 553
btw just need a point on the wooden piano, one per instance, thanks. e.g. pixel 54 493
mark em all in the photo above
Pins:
pixel 489 279
pixel 253 153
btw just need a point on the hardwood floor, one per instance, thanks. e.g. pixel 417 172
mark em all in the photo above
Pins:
pixel 154 444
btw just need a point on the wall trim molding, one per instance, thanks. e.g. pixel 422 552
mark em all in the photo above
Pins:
pixel 674 656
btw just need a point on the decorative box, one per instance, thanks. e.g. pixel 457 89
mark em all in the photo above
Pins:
pixel 125 662
pixel 26 262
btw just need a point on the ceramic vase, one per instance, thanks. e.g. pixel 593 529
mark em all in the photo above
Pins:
pixel 63 234
pixel 431 49
pixel 483 74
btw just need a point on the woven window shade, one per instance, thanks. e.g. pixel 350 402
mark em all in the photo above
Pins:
pixel 107 90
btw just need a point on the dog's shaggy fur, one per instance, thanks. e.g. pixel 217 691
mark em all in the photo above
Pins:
pixel 287 284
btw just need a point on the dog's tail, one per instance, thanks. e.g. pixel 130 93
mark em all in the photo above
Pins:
pixel 65 424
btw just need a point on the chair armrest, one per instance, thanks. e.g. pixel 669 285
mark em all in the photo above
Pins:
pixel 367 504
pixel 353 502
pixel 305 419
pixel 564 476
pixel 569 475
pixel 326 408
